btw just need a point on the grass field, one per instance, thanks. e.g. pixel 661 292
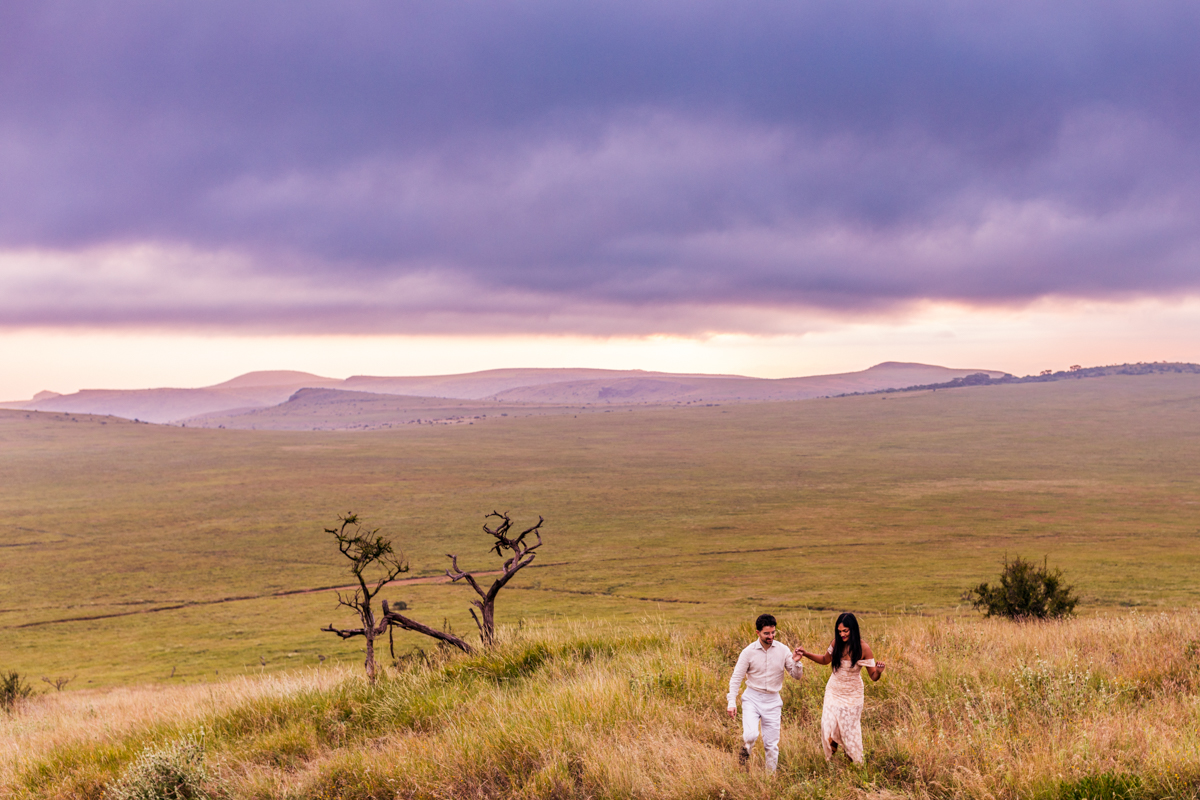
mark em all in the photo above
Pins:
pixel 1099 708
pixel 885 505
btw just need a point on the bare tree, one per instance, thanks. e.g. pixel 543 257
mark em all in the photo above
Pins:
pixel 58 683
pixel 522 556
pixel 368 552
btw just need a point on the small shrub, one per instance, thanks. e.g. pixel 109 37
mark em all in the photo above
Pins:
pixel 175 771
pixel 13 689
pixel 1056 691
pixel 1025 591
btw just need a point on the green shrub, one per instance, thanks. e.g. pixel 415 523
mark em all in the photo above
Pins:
pixel 12 689
pixel 1025 591
pixel 175 771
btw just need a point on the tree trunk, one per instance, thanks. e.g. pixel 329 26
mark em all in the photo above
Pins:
pixel 489 621
pixel 370 663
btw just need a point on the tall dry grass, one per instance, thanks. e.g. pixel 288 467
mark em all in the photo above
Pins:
pixel 1098 707
pixel 95 731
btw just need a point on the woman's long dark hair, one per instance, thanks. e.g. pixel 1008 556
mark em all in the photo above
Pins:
pixel 855 642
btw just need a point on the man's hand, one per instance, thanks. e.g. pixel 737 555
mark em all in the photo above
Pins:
pixel 798 654
pixel 732 712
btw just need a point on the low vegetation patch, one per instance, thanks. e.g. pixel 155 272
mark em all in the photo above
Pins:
pixel 1025 591
pixel 172 771
pixel 1105 707
pixel 13 689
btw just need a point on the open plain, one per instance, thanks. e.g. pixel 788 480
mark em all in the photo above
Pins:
pixel 137 552
pixel 179 576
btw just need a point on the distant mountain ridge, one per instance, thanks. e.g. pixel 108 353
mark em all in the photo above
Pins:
pixel 260 390
pixel 1049 376
pixel 660 387
pixel 279 377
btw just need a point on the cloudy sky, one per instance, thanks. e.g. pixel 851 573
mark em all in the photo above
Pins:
pixel 190 191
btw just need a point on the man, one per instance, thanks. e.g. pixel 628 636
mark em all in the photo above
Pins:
pixel 762 665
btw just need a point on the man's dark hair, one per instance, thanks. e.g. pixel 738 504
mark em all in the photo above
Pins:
pixel 763 621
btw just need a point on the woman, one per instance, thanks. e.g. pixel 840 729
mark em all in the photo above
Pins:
pixel 841 717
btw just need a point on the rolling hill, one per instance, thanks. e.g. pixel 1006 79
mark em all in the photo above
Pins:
pixel 668 388
pixel 335 409
pixel 254 391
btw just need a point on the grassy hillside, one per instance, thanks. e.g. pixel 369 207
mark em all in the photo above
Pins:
pixel 335 409
pixel 1103 707
pixel 880 504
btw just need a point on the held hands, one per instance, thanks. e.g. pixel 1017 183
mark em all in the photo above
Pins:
pixel 798 654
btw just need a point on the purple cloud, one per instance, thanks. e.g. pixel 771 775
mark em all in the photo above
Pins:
pixel 404 166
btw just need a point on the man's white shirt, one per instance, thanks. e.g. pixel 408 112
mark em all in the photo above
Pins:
pixel 762 669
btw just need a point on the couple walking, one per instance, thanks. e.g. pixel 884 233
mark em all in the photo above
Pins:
pixel 762 665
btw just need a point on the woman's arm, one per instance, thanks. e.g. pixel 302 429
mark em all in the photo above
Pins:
pixel 800 652
pixel 876 672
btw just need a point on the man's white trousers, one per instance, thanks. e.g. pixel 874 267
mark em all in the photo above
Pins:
pixel 762 709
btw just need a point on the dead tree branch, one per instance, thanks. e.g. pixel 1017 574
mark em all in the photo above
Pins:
pixel 404 623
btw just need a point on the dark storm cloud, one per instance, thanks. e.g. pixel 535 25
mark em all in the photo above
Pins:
pixel 293 163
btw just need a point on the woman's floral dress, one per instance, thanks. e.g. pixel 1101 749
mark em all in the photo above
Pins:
pixel 841 716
